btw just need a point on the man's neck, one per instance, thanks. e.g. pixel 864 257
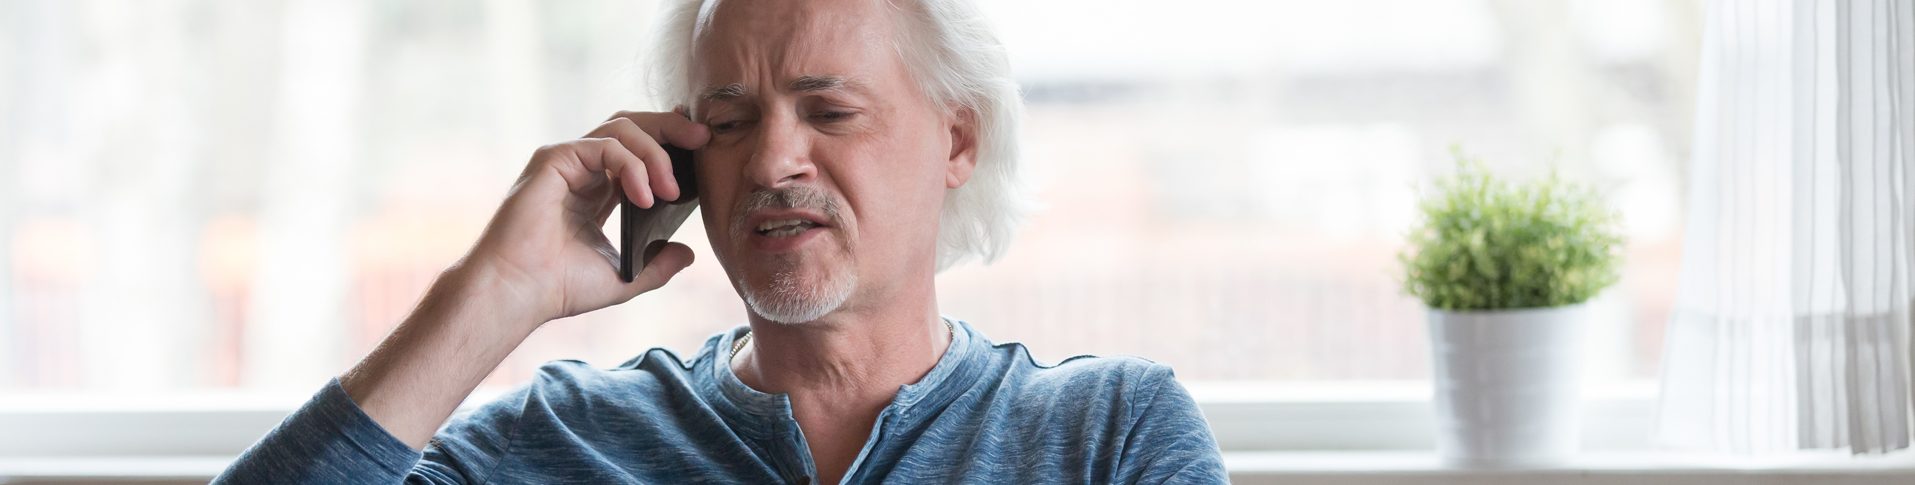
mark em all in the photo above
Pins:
pixel 857 354
pixel 842 370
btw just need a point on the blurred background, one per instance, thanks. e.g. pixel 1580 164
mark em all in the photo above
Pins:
pixel 203 196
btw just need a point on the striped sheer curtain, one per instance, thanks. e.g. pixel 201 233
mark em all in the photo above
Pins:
pixel 1791 329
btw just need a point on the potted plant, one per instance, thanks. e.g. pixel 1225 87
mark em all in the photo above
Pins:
pixel 1505 270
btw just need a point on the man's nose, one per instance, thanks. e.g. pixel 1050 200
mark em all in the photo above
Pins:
pixel 782 156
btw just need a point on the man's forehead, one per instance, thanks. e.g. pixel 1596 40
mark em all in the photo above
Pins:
pixel 798 43
pixel 733 24
pixel 763 15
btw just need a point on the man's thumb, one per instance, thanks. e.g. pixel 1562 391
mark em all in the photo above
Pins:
pixel 671 258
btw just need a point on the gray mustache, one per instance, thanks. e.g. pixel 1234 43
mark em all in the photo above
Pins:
pixel 795 197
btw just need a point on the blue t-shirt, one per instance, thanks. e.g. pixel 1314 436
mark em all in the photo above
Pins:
pixel 986 413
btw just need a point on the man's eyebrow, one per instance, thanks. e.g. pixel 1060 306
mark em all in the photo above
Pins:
pixel 804 84
pixel 812 84
pixel 723 93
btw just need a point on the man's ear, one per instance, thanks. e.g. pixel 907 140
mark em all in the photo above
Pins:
pixel 963 156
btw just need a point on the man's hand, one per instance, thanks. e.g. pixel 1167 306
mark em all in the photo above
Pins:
pixel 543 256
pixel 546 243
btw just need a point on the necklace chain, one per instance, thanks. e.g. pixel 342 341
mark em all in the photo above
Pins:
pixel 950 332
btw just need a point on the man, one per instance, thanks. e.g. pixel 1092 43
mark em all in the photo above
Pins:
pixel 847 151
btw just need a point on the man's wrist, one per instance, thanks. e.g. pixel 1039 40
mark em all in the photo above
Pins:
pixel 486 295
pixel 467 323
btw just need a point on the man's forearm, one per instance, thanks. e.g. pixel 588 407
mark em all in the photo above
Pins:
pixel 462 329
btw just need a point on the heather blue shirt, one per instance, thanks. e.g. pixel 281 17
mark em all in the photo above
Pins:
pixel 986 413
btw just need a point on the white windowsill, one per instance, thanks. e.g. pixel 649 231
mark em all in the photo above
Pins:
pixel 1292 435
pixel 1422 467
pixel 1288 467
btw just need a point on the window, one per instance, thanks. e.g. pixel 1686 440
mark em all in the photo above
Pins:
pixel 227 195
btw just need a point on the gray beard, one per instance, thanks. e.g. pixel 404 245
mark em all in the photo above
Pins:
pixel 788 301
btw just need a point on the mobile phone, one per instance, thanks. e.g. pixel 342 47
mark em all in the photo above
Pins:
pixel 643 232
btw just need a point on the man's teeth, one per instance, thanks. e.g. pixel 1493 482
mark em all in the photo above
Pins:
pixel 783 228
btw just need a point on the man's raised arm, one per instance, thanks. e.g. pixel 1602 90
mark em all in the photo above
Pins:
pixel 542 257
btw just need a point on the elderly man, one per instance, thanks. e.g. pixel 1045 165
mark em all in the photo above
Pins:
pixel 847 150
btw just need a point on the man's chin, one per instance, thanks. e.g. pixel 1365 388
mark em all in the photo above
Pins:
pixel 793 299
pixel 789 312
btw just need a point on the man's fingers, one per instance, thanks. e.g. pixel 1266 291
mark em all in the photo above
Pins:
pixel 608 157
pixel 658 164
pixel 672 128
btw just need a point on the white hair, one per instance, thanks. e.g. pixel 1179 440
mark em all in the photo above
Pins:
pixel 952 52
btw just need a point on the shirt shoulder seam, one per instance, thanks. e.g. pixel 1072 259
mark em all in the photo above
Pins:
pixel 1032 359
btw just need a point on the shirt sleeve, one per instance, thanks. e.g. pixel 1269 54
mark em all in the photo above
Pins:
pixel 327 440
pixel 331 440
pixel 1171 440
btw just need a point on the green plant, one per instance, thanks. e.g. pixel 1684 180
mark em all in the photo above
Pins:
pixel 1486 245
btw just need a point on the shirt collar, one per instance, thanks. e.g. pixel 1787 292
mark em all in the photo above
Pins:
pixel 762 412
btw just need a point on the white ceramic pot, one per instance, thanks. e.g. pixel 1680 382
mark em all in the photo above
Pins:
pixel 1506 385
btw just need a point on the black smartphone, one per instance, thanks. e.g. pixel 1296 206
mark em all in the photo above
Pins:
pixel 643 232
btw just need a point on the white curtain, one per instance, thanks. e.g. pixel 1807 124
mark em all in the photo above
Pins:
pixel 1791 329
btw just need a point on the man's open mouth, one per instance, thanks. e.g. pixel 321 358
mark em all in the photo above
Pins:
pixel 784 227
